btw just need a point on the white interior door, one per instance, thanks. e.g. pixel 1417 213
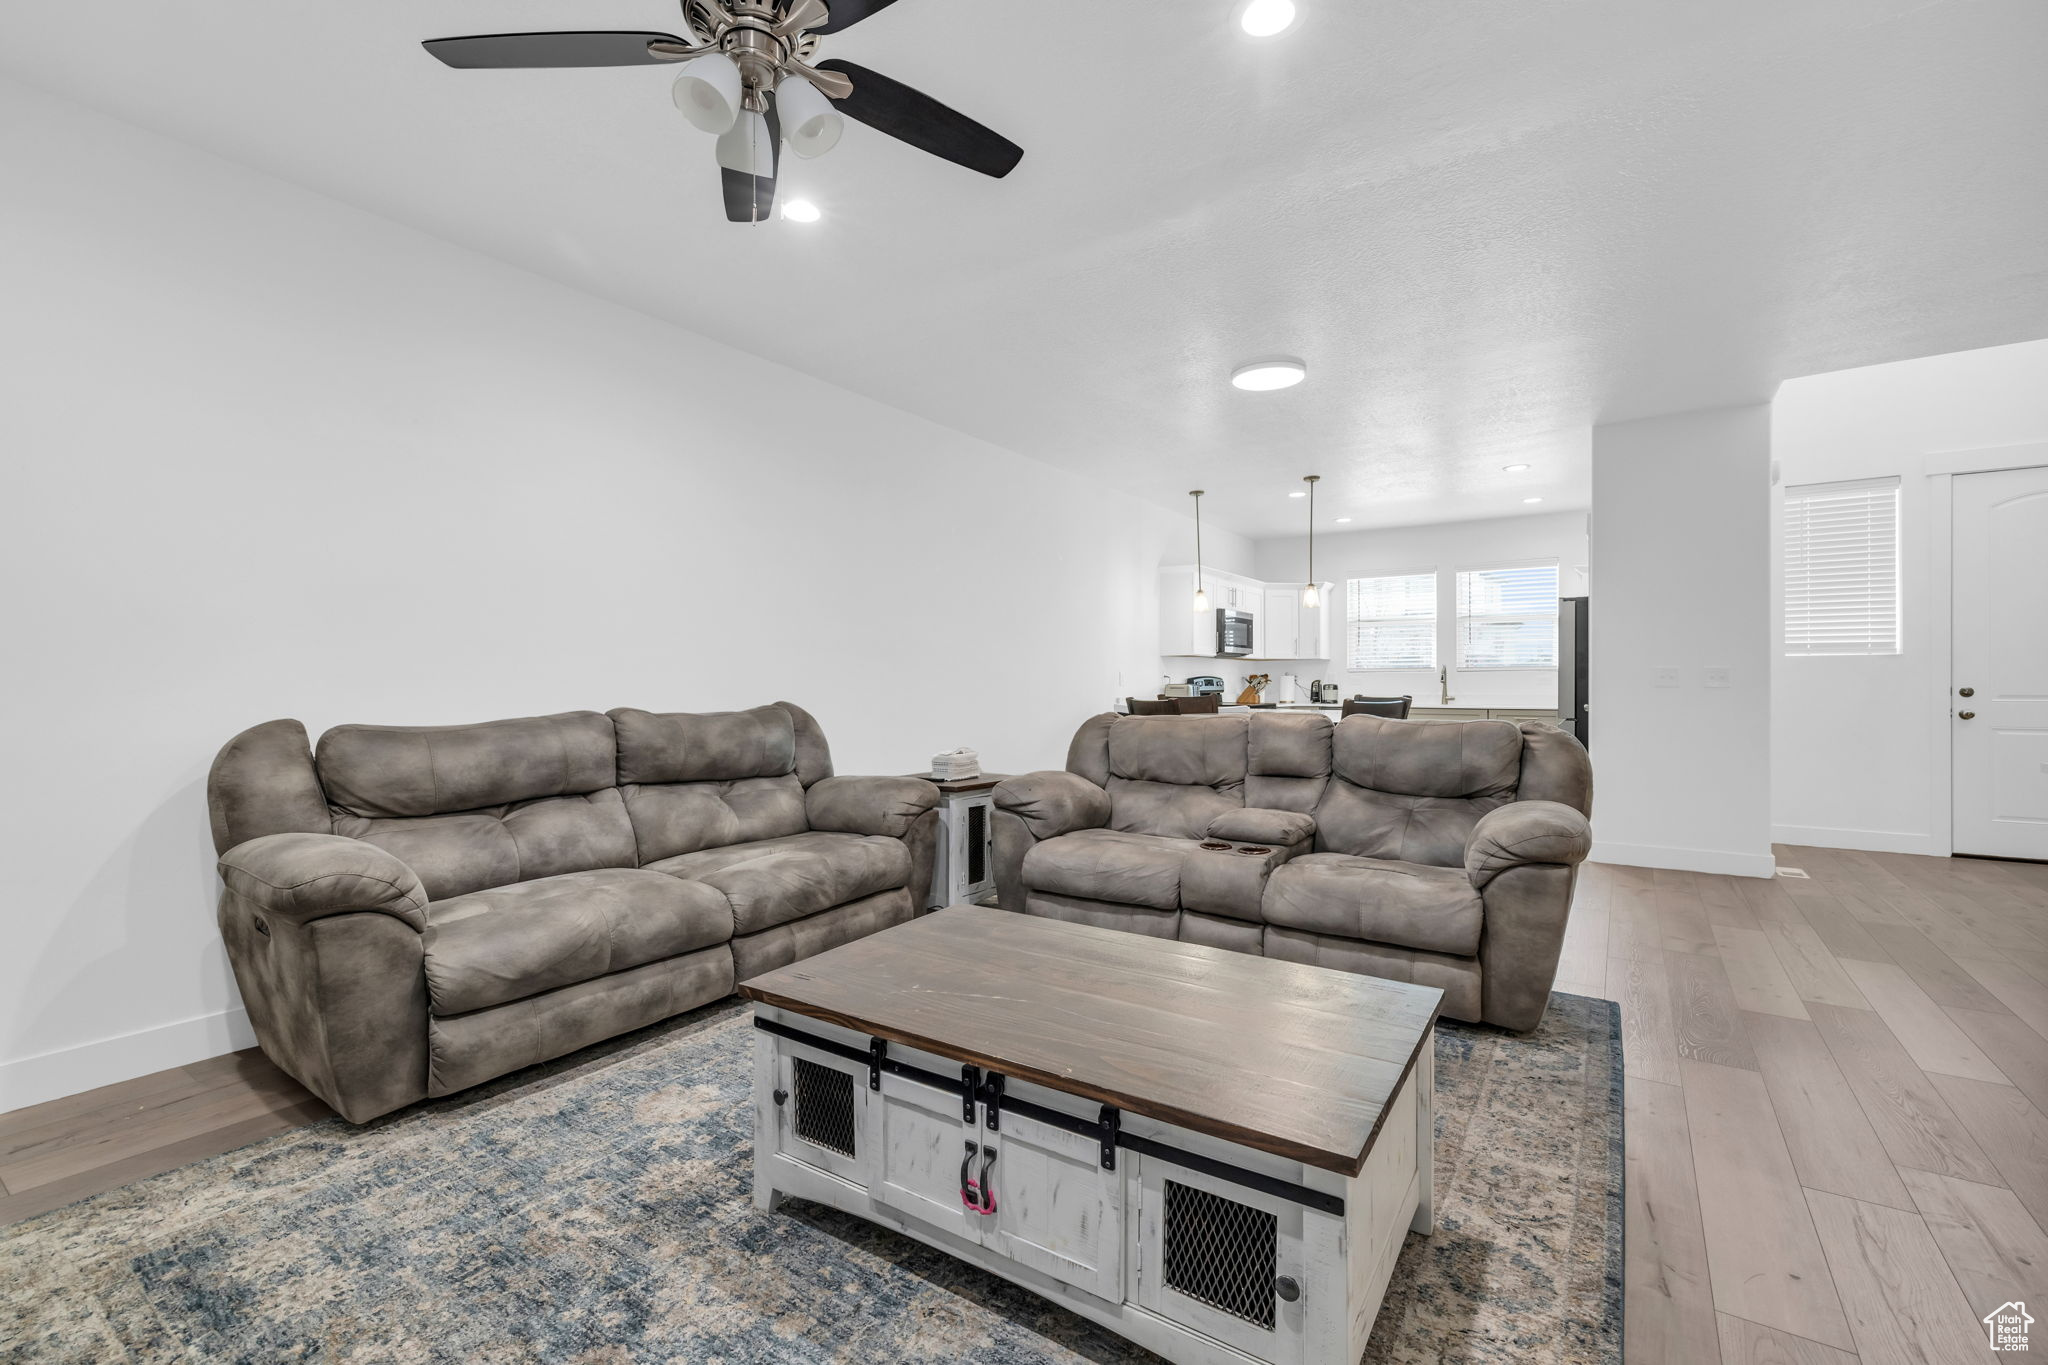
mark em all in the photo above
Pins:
pixel 1998 675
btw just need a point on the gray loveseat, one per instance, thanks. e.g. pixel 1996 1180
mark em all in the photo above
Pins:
pixel 1439 852
pixel 410 911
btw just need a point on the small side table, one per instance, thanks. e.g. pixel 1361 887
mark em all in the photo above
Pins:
pixel 964 862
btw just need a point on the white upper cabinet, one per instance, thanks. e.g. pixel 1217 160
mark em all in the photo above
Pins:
pixel 1281 627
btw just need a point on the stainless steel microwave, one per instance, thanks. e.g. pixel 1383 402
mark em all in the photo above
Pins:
pixel 1233 632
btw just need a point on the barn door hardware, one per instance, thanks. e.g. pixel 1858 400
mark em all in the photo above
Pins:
pixel 970 1087
pixel 1106 1129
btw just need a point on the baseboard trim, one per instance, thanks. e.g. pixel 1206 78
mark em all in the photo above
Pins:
pixel 88 1066
pixel 1863 840
pixel 1720 862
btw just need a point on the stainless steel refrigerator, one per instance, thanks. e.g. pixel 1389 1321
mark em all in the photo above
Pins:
pixel 1571 666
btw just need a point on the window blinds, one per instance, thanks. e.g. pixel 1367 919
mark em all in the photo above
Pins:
pixel 1392 622
pixel 1842 567
pixel 1507 617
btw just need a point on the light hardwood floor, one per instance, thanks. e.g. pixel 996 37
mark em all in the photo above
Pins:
pixel 1837 1149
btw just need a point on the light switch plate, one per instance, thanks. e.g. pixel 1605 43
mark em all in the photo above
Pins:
pixel 1664 677
pixel 1718 677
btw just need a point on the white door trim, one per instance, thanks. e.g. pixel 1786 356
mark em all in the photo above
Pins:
pixel 1940 669
pixel 1943 466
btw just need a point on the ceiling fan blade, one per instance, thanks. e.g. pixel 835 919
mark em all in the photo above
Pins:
pixel 847 13
pixel 916 118
pixel 751 198
pixel 512 50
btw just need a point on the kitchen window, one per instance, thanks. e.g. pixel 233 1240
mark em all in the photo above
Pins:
pixel 1391 622
pixel 1507 617
pixel 1842 568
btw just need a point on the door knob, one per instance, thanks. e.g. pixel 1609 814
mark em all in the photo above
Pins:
pixel 1966 691
pixel 1287 1287
pixel 1966 715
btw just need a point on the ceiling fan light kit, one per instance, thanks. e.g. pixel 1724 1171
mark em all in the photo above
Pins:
pixel 709 92
pixel 751 68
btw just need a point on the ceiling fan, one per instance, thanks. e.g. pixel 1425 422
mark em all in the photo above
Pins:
pixel 751 80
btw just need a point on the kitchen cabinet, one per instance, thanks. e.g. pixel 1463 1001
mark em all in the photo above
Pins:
pixel 1287 629
pixel 1281 627
pixel 1185 631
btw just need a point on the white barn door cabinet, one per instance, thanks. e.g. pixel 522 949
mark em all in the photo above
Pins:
pixel 1206 1251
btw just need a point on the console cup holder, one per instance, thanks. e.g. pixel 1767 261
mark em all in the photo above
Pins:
pixel 1255 850
pixel 1216 845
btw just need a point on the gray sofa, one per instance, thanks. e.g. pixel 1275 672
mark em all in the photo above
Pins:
pixel 410 911
pixel 1439 852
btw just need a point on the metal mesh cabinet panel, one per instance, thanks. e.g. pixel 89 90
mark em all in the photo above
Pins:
pixel 824 1106
pixel 1220 1252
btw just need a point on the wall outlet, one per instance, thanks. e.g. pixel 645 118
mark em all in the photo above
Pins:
pixel 1719 677
pixel 1664 677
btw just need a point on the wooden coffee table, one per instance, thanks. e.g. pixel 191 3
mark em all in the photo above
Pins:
pixel 1213 1154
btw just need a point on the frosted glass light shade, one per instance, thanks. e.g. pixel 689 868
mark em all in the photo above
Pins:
pixel 1310 597
pixel 708 92
pixel 1201 600
pixel 809 121
pixel 748 147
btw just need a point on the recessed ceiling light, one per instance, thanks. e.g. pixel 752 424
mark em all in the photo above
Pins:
pixel 1513 468
pixel 1297 493
pixel 1275 372
pixel 1342 520
pixel 801 211
pixel 1532 500
pixel 1264 18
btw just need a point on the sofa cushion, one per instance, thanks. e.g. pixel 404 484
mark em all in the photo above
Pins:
pixel 467 851
pixel 672 818
pixel 1409 904
pixel 714 746
pixel 382 771
pixel 505 944
pixel 1441 758
pixel 1188 751
pixel 1412 790
pixel 1110 865
pixel 774 881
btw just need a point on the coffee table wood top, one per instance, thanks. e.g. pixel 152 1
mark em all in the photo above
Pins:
pixel 1295 1060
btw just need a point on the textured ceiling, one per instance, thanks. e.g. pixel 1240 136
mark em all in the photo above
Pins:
pixel 1484 224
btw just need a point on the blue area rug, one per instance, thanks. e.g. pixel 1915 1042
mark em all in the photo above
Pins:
pixel 597 1211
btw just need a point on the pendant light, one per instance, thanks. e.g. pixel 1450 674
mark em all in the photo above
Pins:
pixel 1310 596
pixel 1201 597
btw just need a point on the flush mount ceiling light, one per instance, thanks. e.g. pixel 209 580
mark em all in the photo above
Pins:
pixel 753 66
pixel 1201 597
pixel 801 211
pixel 1513 468
pixel 1274 372
pixel 1264 18
pixel 1310 598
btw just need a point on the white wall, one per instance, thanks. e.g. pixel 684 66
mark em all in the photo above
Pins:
pixel 1445 547
pixel 1855 763
pixel 267 455
pixel 1681 551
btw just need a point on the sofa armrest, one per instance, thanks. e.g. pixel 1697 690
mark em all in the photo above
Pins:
pixel 1253 825
pixel 1524 832
pixel 1052 803
pixel 305 877
pixel 887 806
